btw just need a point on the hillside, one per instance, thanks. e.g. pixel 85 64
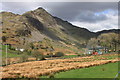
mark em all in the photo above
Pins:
pixel 44 31
pixel 108 31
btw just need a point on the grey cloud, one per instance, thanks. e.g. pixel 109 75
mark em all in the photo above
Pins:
pixel 60 0
pixel 70 11
pixel 18 7
pixel 90 17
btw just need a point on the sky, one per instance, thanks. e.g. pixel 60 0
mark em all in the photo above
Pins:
pixel 95 16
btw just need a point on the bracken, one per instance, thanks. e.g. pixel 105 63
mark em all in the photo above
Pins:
pixel 35 69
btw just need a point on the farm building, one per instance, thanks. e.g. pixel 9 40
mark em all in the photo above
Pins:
pixel 97 50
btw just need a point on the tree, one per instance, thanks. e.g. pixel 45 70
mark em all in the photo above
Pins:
pixel 114 40
pixel 93 42
pixel 106 40
pixel 109 40
pixel 59 54
pixel 4 38
pixel 32 46
pixel 24 57
pixel 38 55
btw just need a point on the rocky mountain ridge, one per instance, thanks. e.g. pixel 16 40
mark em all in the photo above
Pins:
pixel 37 25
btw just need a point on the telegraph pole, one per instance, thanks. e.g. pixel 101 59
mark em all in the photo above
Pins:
pixel 6 54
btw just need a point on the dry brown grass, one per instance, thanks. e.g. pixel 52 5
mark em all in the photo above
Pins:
pixel 36 69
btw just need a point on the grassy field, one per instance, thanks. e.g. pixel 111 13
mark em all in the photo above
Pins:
pixel 78 66
pixel 103 71
pixel 10 53
pixel 70 56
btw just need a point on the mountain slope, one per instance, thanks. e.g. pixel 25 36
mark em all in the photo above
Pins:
pixel 38 26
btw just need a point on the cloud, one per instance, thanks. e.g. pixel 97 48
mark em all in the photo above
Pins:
pixel 69 11
pixel 92 15
pixel 18 7
pixel 111 23
pixel 59 0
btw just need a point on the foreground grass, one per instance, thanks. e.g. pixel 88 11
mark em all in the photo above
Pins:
pixel 103 71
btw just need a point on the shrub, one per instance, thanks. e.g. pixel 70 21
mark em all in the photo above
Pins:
pixel 28 52
pixel 32 46
pixel 59 54
pixel 18 52
pixel 4 38
pixel 3 61
pixel 78 55
pixel 22 32
pixel 51 75
pixel 48 56
pixel 81 55
pixel 23 58
pixel 38 55
pixel 11 48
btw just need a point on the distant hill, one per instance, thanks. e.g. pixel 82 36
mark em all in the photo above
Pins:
pixel 108 31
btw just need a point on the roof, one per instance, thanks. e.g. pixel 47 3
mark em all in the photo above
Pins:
pixel 96 48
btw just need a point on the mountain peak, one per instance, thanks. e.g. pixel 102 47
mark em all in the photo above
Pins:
pixel 40 9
